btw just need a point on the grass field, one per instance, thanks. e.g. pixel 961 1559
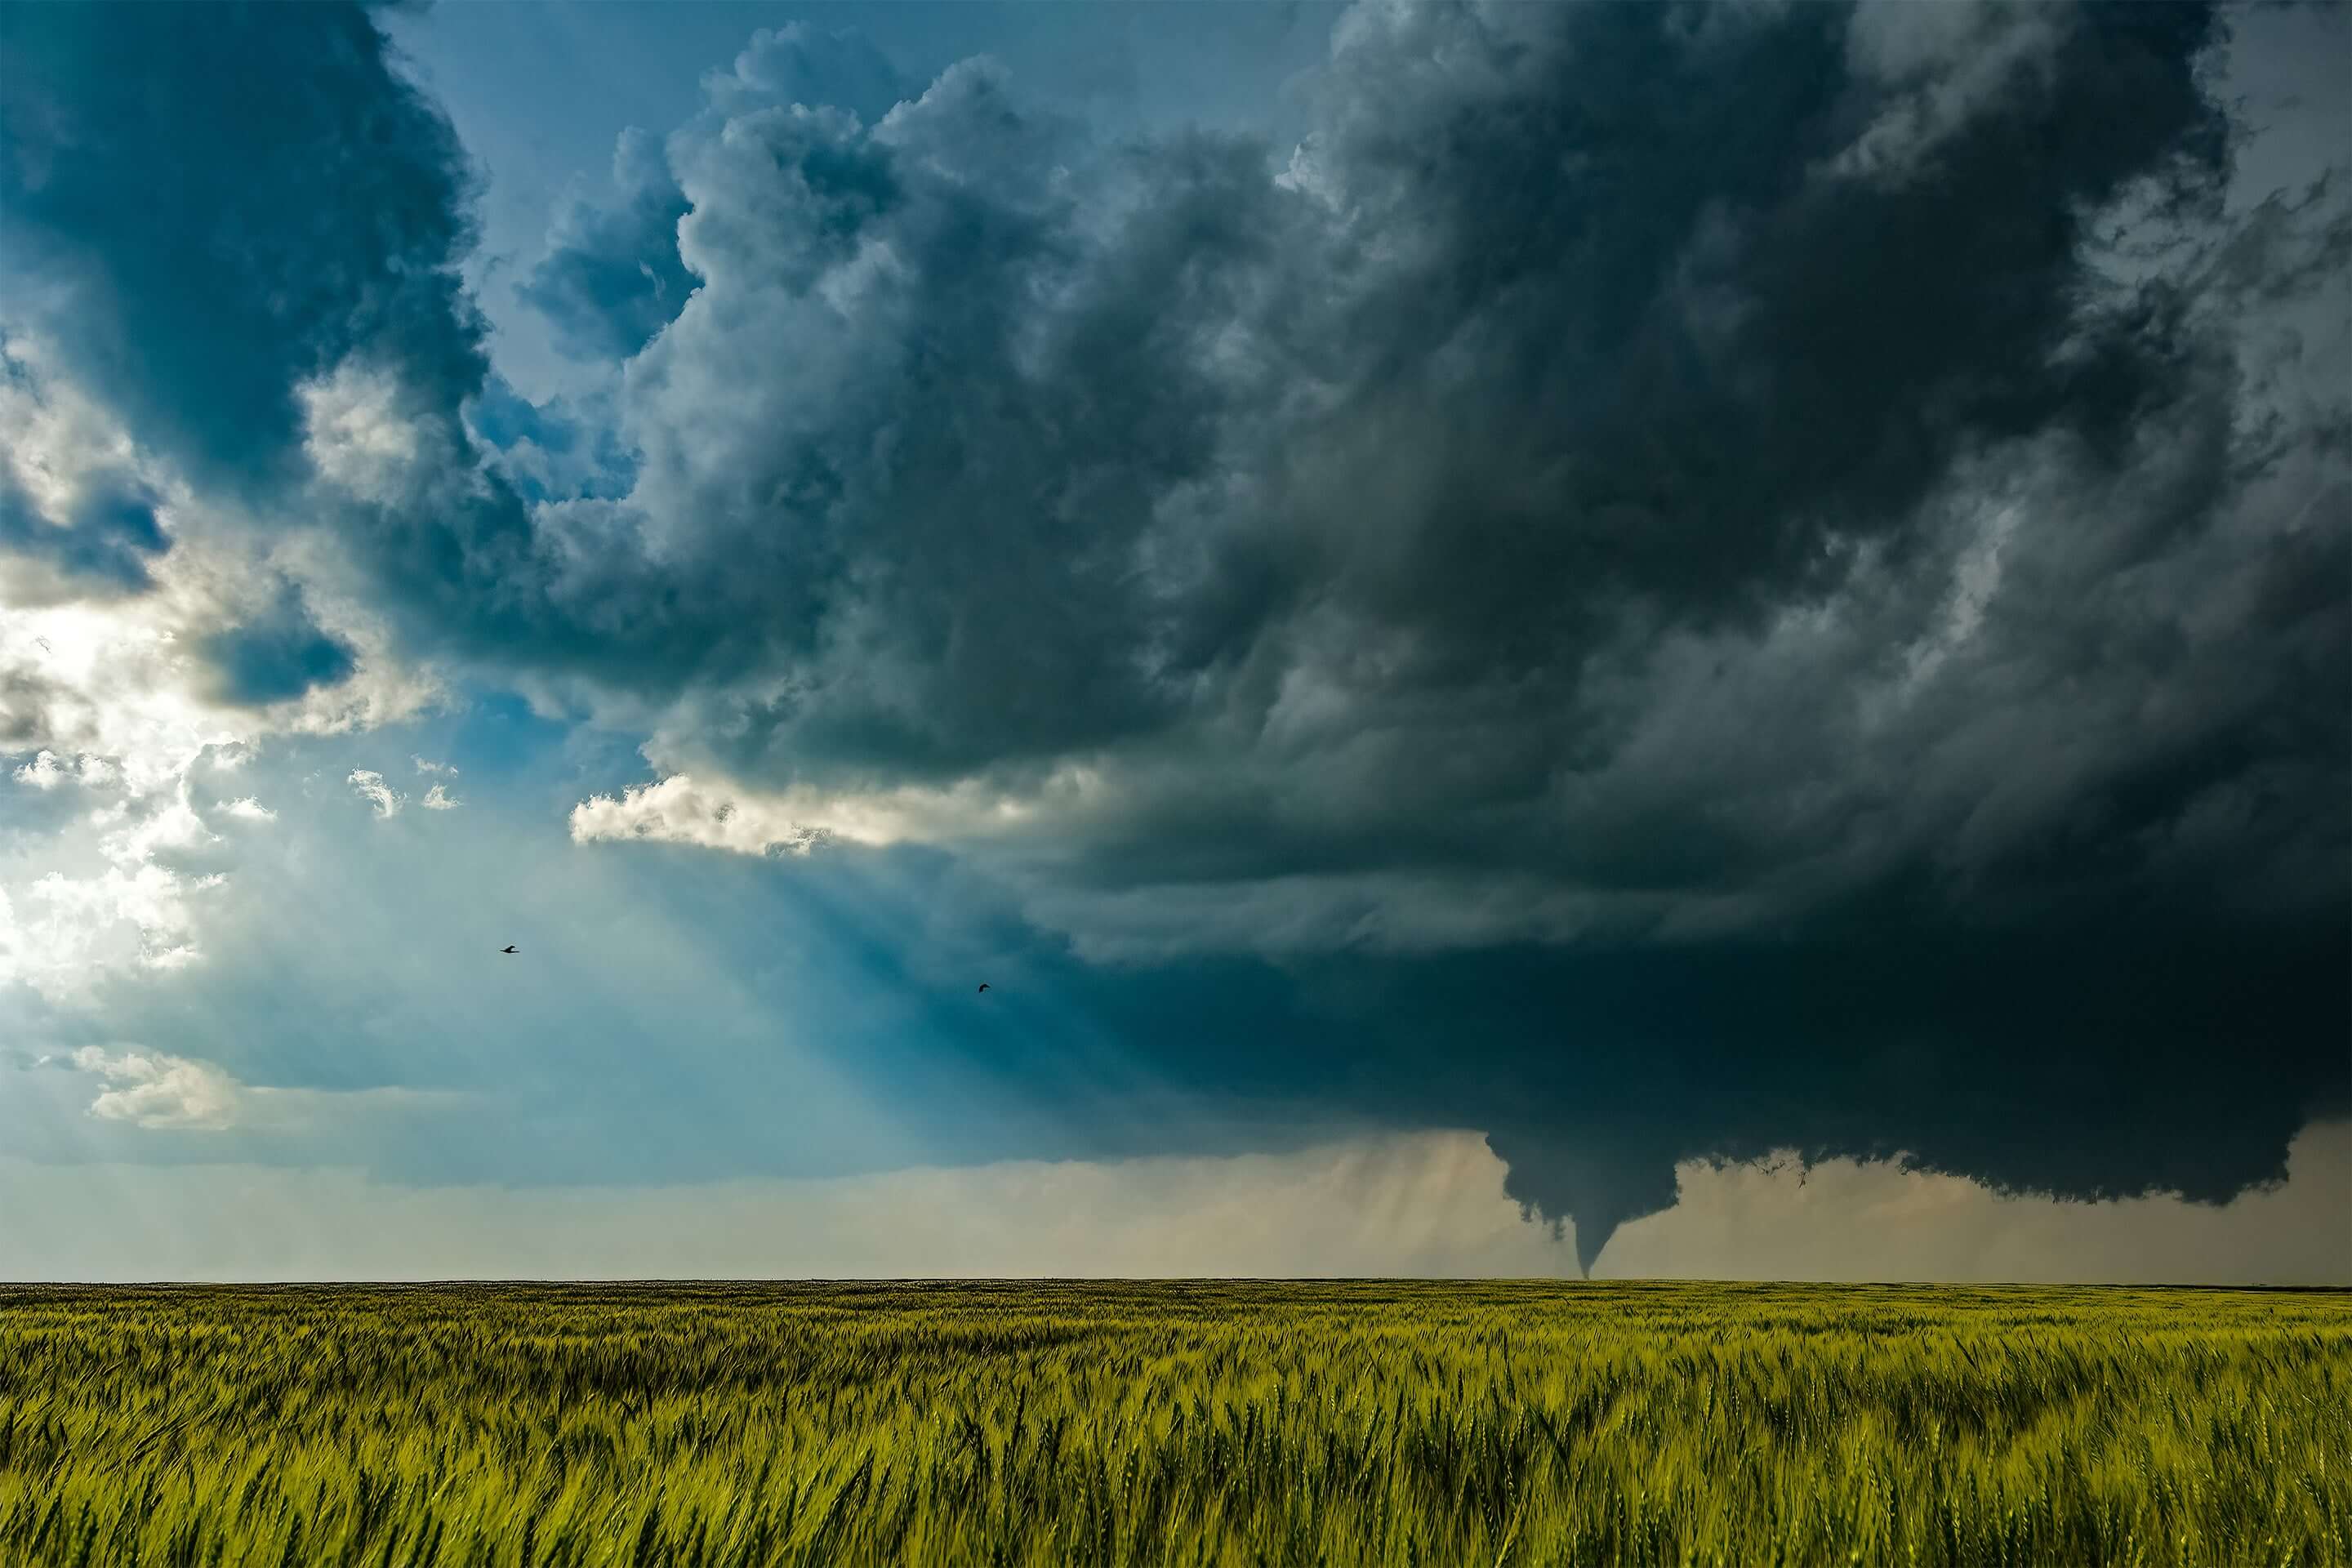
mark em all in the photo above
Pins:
pixel 1214 1424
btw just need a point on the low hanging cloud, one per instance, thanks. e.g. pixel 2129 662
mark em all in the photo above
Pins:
pixel 1670 582
pixel 150 1098
pixel 1426 1204
pixel 148 1089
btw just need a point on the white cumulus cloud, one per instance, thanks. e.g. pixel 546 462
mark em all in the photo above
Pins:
pixel 371 787
pixel 47 771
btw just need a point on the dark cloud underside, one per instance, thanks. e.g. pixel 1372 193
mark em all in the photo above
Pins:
pixel 279 654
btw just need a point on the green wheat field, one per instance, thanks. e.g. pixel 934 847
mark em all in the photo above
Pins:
pixel 1035 1424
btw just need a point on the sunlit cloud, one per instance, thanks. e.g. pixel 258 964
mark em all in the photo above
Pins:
pixel 152 1090
pixel 46 771
pixel 714 813
pixel 369 785
pixel 359 435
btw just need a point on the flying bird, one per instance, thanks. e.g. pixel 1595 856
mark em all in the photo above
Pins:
pixel 983 985
pixel 506 950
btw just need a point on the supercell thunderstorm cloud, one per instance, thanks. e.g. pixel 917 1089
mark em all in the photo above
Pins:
pixel 1655 583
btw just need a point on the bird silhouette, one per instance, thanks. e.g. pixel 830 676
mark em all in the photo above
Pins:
pixel 506 950
pixel 983 985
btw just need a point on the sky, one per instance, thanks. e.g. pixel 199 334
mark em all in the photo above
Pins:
pixel 1619 639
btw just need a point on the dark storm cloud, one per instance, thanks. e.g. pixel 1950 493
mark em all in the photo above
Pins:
pixel 277 653
pixel 798 63
pixel 612 277
pixel 234 197
pixel 1587 329
pixel 1672 568
pixel 2121 1051
pixel 214 211
pixel 914 389
pixel 546 452
pixel 1649 344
